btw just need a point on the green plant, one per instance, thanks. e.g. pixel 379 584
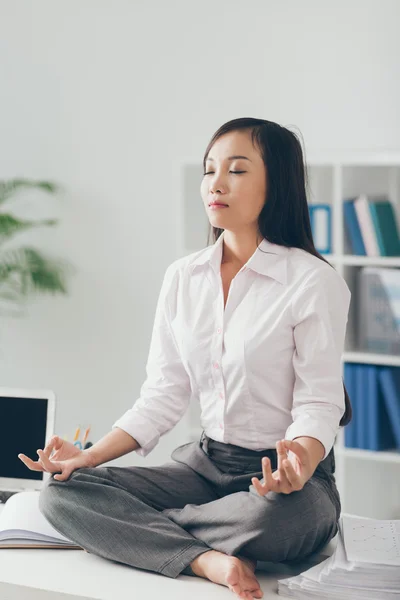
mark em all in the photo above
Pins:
pixel 25 270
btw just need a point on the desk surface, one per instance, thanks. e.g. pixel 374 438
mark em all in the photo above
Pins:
pixel 41 574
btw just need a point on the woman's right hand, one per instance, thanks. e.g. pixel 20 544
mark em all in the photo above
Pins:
pixel 59 456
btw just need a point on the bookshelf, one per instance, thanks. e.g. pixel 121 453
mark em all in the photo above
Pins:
pixel 368 482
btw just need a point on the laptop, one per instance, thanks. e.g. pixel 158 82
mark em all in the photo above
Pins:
pixel 26 424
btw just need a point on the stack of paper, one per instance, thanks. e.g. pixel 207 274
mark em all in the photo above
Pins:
pixel 365 565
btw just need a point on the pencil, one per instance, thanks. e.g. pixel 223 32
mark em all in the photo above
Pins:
pixel 85 436
pixel 77 432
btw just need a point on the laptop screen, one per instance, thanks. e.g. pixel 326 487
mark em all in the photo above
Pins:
pixel 23 424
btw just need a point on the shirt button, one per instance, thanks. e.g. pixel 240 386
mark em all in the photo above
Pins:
pixel 219 330
pixel 221 426
pixel 221 395
pixel 216 365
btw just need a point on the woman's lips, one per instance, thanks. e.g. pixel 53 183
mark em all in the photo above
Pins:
pixel 217 206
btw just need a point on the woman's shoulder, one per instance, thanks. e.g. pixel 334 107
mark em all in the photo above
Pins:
pixel 306 270
pixel 302 265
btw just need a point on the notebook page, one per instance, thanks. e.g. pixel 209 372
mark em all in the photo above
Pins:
pixel 372 541
pixel 21 511
pixel 15 534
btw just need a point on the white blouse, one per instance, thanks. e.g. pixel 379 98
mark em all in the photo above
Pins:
pixel 266 367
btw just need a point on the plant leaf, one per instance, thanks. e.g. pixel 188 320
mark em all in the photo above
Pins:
pixel 9 187
pixel 35 272
pixel 10 225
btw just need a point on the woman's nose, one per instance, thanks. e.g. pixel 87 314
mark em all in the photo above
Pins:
pixel 217 184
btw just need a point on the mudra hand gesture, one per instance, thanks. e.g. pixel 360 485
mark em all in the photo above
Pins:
pixel 293 470
pixel 58 456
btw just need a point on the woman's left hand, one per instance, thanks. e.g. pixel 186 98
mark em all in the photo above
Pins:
pixel 293 470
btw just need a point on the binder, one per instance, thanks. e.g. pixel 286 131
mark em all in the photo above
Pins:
pixel 387 234
pixel 379 310
pixel 389 378
pixel 367 226
pixel 378 429
pixel 352 227
pixel 321 226
pixel 350 383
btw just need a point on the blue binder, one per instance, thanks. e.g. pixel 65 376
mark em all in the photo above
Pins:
pixel 361 420
pixel 389 378
pixel 379 431
pixel 352 228
pixel 350 383
pixel 322 232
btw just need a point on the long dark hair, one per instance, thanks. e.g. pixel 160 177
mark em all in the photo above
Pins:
pixel 285 218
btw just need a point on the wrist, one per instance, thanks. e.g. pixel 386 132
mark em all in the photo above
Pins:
pixel 91 457
pixel 315 451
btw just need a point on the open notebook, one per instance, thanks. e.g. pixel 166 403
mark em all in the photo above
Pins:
pixel 22 525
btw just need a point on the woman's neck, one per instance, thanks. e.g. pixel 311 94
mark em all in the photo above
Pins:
pixel 237 249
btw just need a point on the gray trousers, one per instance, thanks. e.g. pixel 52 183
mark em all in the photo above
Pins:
pixel 161 518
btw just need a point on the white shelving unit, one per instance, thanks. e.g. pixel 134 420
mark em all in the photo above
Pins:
pixel 369 482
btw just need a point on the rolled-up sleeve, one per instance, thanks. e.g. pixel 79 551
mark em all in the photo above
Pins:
pixel 320 313
pixel 165 393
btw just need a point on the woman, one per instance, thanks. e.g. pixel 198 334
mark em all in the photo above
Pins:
pixel 254 326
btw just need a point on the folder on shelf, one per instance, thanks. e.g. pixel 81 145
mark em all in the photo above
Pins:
pixel 378 426
pixel 321 226
pixel 385 224
pixel 352 228
pixel 378 290
pixel 350 383
pixel 355 435
pixel 389 378
pixel 367 226
pixel 371 226
pixel 361 403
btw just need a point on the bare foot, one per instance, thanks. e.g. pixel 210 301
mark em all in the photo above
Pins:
pixel 236 573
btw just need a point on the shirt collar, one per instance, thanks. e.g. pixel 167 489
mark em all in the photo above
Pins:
pixel 269 259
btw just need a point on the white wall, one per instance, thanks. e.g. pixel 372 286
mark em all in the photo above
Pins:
pixel 110 99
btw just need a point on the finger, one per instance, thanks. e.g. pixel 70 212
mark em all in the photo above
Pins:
pixel 270 482
pixel 283 484
pixel 50 465
pixel 236 589
pixel 50 446
pixel 41 464
pixel 291 475
pixel 47 450
pixel 28 462
pixel 297 449
pixel 262 489
pixel 63 475
pixel 279 475
pixel 66 469
pixel 281 453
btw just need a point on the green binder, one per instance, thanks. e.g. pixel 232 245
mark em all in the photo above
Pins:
pixel 385 224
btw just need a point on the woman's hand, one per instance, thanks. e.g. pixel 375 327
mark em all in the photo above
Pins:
pixel 294 469
pixel 59 456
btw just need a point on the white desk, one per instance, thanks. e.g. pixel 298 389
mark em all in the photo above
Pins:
pixel 76 575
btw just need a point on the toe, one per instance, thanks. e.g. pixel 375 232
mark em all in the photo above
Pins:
pixel 236 589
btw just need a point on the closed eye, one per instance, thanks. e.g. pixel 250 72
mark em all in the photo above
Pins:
pixel 235 172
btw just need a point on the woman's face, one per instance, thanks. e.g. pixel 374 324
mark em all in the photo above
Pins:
pixel 239 183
